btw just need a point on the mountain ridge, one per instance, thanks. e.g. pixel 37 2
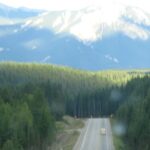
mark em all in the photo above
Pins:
pixel 34 40
pixel 17 13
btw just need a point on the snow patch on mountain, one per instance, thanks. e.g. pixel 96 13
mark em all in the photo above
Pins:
pixel 46 59
pixel 33 44
pixel 5 21
pixel 93 23
pixel 110 58
pixel 1 49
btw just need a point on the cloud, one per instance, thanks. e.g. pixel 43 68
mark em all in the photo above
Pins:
pixel 113 59
pixel 46 59
pixel 48 4
pixel 71 4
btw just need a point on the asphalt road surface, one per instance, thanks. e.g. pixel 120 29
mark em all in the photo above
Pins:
pixel 91 137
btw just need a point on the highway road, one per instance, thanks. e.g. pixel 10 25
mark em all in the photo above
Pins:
pixel 91 137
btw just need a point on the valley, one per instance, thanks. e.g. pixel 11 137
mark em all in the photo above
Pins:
pixel 74 75
pixel 35 97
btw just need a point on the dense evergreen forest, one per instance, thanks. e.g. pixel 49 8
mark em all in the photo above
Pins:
pixel 33 96
pixel 134 113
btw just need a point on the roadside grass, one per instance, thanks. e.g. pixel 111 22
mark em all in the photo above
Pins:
pixel 118 143
pixel 68 131
pixel 117 139
pixel 73 123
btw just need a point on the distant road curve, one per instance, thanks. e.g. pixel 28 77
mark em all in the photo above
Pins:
pixel 91 137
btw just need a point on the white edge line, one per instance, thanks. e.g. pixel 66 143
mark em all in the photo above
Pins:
pixel 85 135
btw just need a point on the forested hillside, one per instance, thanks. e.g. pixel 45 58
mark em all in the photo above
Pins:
pixel 134 113
pixel 33 96
pixel 75 92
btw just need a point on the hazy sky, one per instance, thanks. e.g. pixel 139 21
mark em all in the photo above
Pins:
pixel 73 4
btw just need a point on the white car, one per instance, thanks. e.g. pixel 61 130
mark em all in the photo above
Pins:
pixel 103 131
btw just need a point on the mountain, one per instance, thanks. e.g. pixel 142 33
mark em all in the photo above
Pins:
pixel 17 13
pixel 86 39
pixel 94 23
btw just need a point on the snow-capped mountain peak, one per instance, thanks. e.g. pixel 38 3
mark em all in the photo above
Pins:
pixel 93 23
pixel 118 31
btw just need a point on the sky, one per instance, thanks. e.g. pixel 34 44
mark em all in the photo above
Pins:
pixel 73 4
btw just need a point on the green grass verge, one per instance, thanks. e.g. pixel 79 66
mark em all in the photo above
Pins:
pixel 67 133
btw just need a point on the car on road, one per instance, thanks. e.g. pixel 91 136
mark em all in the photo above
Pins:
pixel 103 131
